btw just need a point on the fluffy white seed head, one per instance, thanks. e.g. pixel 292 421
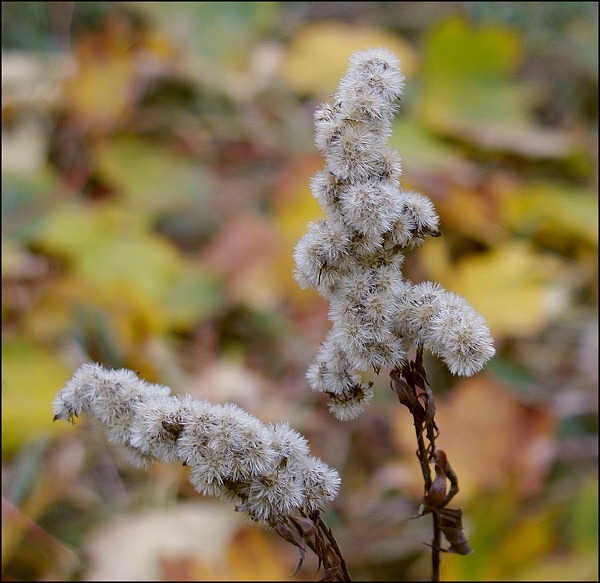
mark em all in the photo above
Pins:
pixel 445 324
pixel 287 443
pixel 157 426
pixel 354 152
pixel 415 310
pixel 320 483
pixel 326 188
pixel 329 122
pixel 371 207
pixel 365 248
pixel 374 71
pixel 371 108
pixel 351 404
pixel 388 167
pixel 200 424
pixel 462 337
pixel 422 212
pixel 77 396
pixel 109 396
pixel 387 276
pixel 270 498
pixel 331 371
pixel 247 443
pixel 402 231
pixel 376 314
pixel 320 256
pixel 230 453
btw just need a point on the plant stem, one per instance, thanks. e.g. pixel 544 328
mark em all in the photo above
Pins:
pixel 435 548
pixel 336 548
pixel 410 384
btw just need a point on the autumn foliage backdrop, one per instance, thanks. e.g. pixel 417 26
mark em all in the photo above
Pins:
pixel 156 163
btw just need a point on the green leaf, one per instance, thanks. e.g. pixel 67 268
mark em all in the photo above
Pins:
pixel 490 52
pixel 557 211
pixel 151 177
pixel 581 530
pixel 471 92
pixel 424 152
pixel 468 74
pixel 25 200
pixel 193 295
pixel 223 32
pixel 113 253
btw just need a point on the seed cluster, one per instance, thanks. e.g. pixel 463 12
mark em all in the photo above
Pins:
pixel 265 470
pixel 354 257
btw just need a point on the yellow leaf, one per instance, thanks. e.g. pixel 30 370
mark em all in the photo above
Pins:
pixel 139 280
pixel 100 95
pixel 113 66
pixel 506 538
pixel 466 211
pixel 530 539
pixel 31 376
pixel 108 247
pixel 556 213
pixel 253 556
pixel 318 55
pixel 518 290
pixel 294 208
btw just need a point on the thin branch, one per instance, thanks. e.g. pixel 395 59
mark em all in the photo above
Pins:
pixel 310 531
pixel 336 548
pixel 410 384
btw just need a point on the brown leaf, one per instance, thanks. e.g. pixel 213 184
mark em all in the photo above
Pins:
pixel 406 393
pixel 451 525
pixel 441 460
pixel 437 493
pixel 294 537
pixel 244 254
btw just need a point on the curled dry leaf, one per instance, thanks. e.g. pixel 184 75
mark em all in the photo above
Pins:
pixel 311 532
pixel 450 520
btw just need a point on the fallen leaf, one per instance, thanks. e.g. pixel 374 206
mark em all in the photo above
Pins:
pixel 31 375
pixel 151 175
pixel 558 214
pixel 244 253
pixel 311 67
pixel 471 92
pixel 294 208
pixel 138 545
pixel 253 556
pixel 517 289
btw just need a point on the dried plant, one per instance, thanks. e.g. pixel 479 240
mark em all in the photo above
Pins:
pixel 265 470
pixel 354 258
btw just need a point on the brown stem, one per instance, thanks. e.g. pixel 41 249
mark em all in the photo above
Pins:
pixel 410 384
pixel 435 548
pixel 335 547
pixel 423 455
pixel 310 531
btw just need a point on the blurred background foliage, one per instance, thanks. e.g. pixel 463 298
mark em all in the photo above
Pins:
pixel 156 160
